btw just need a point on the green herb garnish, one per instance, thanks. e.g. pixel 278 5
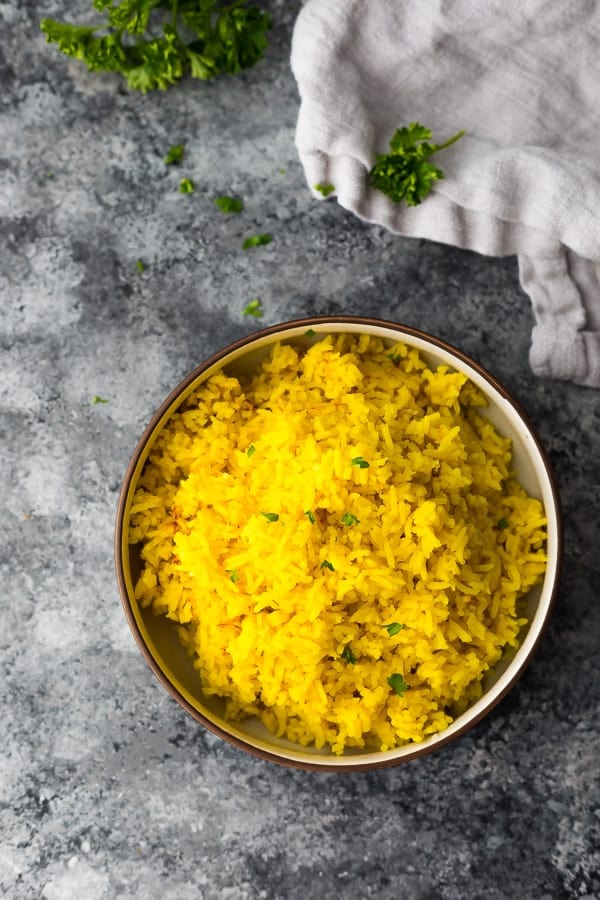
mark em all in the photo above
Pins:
pixel 360 462
pixel 254 308
pixel 325 189
pixel 393 628
pixel 229 204
pixel 395 358
pixel 142 39
pixel 349 519
pixel 327 565
pixel 270 517
pixel 96 399
pixel 256 240
pixel 503 523
pixel 348 655
pixel 139 264
pixel 405 173
pixel 174 155
pixel 250 451
pixel 186 186
pixel 310 516
pixel 398 684
pixel 233 575
pixel 310 333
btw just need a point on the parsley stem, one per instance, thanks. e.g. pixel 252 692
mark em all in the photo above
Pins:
pixel 447 143
pixel 230 6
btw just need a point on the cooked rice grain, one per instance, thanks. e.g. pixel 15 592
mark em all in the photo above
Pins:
pixel 283 561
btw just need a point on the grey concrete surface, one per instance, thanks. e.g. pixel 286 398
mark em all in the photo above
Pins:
pixel 107 788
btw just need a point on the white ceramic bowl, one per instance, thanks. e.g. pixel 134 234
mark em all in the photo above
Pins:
pixel 156 635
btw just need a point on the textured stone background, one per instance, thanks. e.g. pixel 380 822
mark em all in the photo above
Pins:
pixel 107 788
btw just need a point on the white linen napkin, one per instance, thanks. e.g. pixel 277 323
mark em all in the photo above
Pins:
pixel 523 81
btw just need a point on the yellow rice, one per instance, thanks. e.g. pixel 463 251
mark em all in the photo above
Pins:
pixel 287 519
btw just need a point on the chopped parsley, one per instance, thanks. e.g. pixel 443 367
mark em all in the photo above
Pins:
pixel 310 516
pixel 327 565
pixel 395 358
pixel 310 333
pixel 270 517
pixel 186 186
pixel 139 264
pixel 174 155
pixel 256 240
pixel 398 684
pixel 503 523
pixel 349 519
pixel 393 628
pixel 324 189
pixel 155 43
pixel 254 308
pixel 405 173
pixel 229 204
pixel 250 451
pixel 233 575
pixel 360 462
pixel 348 656
pixel 96 399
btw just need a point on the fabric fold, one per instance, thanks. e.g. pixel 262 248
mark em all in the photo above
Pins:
pixel 525 179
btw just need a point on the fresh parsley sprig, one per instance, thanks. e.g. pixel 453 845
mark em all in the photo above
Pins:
pixel 405 173
pixel 155 43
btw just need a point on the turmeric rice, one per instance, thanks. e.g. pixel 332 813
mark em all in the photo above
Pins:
pixel 340 540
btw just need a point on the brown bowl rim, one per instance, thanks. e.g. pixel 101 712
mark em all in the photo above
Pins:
pixel 307 323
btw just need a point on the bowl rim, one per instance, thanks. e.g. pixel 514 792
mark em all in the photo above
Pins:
pixel 307 322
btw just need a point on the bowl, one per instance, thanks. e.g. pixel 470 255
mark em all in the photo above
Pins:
pixel 156 635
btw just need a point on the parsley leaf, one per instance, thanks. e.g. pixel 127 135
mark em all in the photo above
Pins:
pixel 174 155
pixel 256 240
pixel 310 333
pixel 254 308
pixel 360 462
pixel 325 189
pixel 233 575
pixel 139 264
pixel 393 628
pixel 327 565
pixel 310 516
pixel 229 204
pixel 348 656
pixel 96 399
pixel 349 519
pixel 270 517
pixel 503 523
pixel 186 186
pixel 250 451
pixel 143 39
pixel 398 684
pixel 405 173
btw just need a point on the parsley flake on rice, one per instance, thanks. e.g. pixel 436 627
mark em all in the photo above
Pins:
pixel 424 546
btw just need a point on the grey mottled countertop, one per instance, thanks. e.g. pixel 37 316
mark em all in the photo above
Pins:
pixel 108 789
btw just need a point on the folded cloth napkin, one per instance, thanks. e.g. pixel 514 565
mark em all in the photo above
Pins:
pixel 523 81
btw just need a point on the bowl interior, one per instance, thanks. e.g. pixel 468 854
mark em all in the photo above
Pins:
pixel 157 636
